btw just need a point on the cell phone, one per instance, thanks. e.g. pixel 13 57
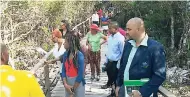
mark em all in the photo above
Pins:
pixel 72 90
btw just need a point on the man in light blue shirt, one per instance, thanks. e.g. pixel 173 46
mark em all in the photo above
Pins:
pixel 113 56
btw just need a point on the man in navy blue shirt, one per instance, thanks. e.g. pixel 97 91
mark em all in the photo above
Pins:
pixel 142 58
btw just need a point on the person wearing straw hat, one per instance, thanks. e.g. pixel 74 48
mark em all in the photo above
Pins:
pixel 94 46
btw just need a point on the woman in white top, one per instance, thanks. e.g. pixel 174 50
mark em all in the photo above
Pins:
pixel 58 49
pixel 95 18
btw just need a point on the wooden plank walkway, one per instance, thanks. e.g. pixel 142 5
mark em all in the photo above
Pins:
pixel 92 89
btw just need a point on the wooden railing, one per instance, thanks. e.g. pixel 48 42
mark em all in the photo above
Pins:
pixel 164 92
pixel 83 26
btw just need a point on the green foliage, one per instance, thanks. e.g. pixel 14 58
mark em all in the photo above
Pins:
pixel 51 57
pixel 54 9
pixel 157 17
pixel 20 66
pixel 188 53
pixel 47 46
pixel 45 30
pixel 167 85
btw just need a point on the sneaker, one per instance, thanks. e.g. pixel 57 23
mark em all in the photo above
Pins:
pixel 98 78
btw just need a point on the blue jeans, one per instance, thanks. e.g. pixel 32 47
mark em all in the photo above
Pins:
pixel 121 91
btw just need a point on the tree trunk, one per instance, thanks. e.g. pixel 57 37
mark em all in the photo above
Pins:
pixel 172 32
pixel 186 31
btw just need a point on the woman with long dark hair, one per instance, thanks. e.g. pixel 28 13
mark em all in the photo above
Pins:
pixel 73 68
pixel 83 46
pixel 65 28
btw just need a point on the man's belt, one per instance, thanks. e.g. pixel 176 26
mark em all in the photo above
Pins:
pixel 111 60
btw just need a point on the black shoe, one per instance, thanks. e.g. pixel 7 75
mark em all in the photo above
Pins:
pixel 112 94
pixel 98 78
pixel 92 77
pixel 104 86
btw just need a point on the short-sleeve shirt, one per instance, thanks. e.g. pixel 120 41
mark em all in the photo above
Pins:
pixel 94 40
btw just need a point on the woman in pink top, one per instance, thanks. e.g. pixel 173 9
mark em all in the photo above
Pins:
pixel 121 31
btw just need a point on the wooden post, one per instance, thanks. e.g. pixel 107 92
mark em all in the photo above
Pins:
pixel 89 21
pixel 41 62
pixel 47 81
pixel 84 32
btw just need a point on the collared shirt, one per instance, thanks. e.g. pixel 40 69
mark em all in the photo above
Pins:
pixel 18 83
pixel 115 47
pixel 132 54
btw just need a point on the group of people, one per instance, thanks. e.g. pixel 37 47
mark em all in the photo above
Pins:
pixel 133 58
pixel 131 55
pixel 101 19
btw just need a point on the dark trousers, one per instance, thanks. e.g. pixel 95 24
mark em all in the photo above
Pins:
pixel 112 72
pixel 95 22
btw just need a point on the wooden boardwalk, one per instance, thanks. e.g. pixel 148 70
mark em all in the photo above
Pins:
pixel 92 89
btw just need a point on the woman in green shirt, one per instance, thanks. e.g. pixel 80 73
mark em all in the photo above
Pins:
pixel 94 46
